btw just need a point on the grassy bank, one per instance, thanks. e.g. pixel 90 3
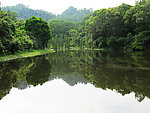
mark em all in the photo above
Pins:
pixel 24 54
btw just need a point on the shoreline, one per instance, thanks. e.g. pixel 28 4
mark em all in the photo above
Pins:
pixel 24 54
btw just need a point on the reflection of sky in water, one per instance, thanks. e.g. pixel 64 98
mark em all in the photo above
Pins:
pixel 57 96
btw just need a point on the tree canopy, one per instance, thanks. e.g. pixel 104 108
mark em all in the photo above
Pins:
pixel 12 35
pixel 123 27
pixel 38 29
pixel 119 27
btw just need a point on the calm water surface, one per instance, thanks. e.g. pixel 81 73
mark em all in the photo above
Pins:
pixel 76 82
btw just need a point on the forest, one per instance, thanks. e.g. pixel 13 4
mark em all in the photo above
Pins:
pixel 124 27
pixel 17 35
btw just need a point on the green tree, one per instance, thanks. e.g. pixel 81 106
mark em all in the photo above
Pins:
pixel 73 36
pixel 124 26
pixel 7 28
pixel 39 29
pixel 60 30
pixel 13 15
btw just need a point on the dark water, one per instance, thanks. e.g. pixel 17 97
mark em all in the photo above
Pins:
pixel 76 82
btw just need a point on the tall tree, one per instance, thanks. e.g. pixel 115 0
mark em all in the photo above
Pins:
pixel 39 29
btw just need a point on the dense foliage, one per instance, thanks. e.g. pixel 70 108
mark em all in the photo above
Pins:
pixel 61 32
pixel 14 37
pixel 120 27
pixel 39 30
pixel 124 27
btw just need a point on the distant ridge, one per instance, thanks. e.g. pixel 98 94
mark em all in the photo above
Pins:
pixel 74 15
pixel 24 12
pixel 70 14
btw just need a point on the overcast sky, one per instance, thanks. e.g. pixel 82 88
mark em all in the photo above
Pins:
pixel 58 6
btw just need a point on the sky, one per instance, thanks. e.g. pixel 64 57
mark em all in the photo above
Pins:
pixel 58 6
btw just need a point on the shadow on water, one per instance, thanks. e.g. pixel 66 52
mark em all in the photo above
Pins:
pixel 122 72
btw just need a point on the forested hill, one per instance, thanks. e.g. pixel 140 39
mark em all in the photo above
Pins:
pixel 24 12
pixel 71 14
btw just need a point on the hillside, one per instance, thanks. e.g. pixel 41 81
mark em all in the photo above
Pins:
pixel 74 15
pixel 70 14
pixel 24 12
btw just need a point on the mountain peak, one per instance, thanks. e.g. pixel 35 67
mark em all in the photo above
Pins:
pixel 70 11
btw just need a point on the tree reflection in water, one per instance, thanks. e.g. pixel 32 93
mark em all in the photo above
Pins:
pixel 22 73
pixel 122 72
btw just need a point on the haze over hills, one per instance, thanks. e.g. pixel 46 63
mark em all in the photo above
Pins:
pixel 71 14
pixel 24 12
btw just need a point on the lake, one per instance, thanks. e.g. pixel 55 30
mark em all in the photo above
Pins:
pixel 76 82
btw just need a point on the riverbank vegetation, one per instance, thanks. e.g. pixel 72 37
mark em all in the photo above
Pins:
pixel 17 35
pixel 120 27
pixel 24 54
pixel 124 27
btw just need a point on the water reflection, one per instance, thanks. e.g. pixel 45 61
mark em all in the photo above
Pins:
pixel 123 72
pixel 22 73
